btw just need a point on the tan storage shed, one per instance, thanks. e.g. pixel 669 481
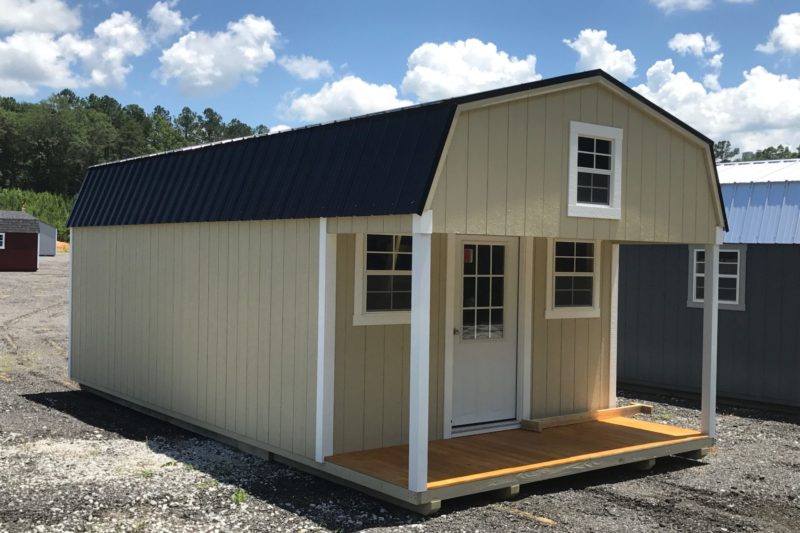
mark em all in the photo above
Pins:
pixel 382 299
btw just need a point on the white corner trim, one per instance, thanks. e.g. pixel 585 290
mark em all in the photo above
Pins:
pixel 525 327
pixel 615 135
pixel 423 224
pixel 70 297
pixel 708 399
pixel 420 356
pixel 449 338
pixel 326 342
pixel 552 312
pixel 612 337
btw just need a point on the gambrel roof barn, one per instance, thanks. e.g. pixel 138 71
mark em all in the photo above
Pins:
pixel 382 298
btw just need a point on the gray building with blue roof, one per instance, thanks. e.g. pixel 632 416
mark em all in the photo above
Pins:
pixel 661 295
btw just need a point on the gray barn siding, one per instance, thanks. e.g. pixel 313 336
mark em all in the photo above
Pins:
pixel 660 338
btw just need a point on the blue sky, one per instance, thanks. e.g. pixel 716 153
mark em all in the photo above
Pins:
pixel 730 68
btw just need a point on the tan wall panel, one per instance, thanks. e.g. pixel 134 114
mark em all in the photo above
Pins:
pixel 490 184
pixel 372 363
pixel 182 318
pixel 569 370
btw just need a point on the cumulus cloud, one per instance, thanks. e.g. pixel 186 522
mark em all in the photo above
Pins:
pixel 448 69
pixel 279 128
pixel 595 51
pixel 785 37
pixel 668 6
pixel 29 60
pixel 306 67
pixel 165 20
pixel 203 62
pixel 695 44
pixel 343 98
pixel 53 16
pixel 760 111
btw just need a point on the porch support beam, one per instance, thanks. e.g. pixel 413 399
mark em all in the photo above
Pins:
pixel 326 342
pixel 420 352
pixel 708 417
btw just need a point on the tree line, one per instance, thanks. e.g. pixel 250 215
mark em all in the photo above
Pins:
pixel 47 146
pixel 725 152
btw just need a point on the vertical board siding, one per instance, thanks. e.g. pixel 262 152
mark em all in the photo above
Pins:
pixel 660 338
pixel 569 366
pixel 212 323
pixel 506 173
pixel 372 363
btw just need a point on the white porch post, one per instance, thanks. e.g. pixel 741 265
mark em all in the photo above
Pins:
pixel 420 356
pixel 612 337
pixel 326 342
pixel 708 416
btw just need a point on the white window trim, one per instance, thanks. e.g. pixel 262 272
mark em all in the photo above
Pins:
pixel 360 315
pixel 577 209
pixel 739 305
pixel 553 312
pixel 3 241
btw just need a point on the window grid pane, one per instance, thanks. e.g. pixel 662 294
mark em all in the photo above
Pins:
pixel 388 273
pixel 574 274
pixel 594 155
pixel 483 292
pixel 728 289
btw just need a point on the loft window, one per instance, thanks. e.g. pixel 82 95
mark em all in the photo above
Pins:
pixel 383 279
pixel 2 241
pixel 595 171
pixel 573 279
pixel 731 277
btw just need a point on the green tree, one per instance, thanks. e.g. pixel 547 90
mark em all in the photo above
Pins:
pixel 236 128
pixel 724 152
pixel 188 124
pixel 773 152
pixel 212 127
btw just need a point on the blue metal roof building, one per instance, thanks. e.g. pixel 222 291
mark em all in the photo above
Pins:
pixel 762 213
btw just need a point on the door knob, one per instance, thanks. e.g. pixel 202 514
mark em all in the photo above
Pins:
pixel 456 331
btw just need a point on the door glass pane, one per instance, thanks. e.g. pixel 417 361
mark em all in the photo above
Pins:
pixel 483 287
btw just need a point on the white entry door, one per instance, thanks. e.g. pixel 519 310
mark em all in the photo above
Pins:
pixel 485 347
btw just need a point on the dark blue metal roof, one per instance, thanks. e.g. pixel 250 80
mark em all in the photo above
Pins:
pixel 380 164
pixel 762 213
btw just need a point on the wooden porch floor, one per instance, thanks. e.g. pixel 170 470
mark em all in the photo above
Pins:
pixel 479 457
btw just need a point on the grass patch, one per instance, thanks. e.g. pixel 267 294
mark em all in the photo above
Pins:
pixel 239 496
pixel 144 473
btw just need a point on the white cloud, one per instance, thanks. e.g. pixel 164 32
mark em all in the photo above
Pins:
pixel 29 60
pixel 693 43
pixel 306 67
pixel 279 128
pixel 759 112
pixel 166 21
pixel 53 16
pixel 595 51
pixel 668 6
pixel 447 69
pixel 202 62
pixel 785 37
pixel 347 97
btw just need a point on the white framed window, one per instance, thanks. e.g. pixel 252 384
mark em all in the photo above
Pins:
pixel 2 241
pixel 382 279
pixel 595 171
pixel 573 279
pixel 732 268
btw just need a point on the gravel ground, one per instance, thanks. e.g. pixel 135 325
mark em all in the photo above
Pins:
pixel 70 461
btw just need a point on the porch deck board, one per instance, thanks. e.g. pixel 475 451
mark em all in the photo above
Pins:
pixel 484 456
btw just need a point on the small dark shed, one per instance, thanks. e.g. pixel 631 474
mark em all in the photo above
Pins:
pixel 19 241
pixel 662 288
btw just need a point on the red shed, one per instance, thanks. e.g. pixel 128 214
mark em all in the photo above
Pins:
pixel 19 241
